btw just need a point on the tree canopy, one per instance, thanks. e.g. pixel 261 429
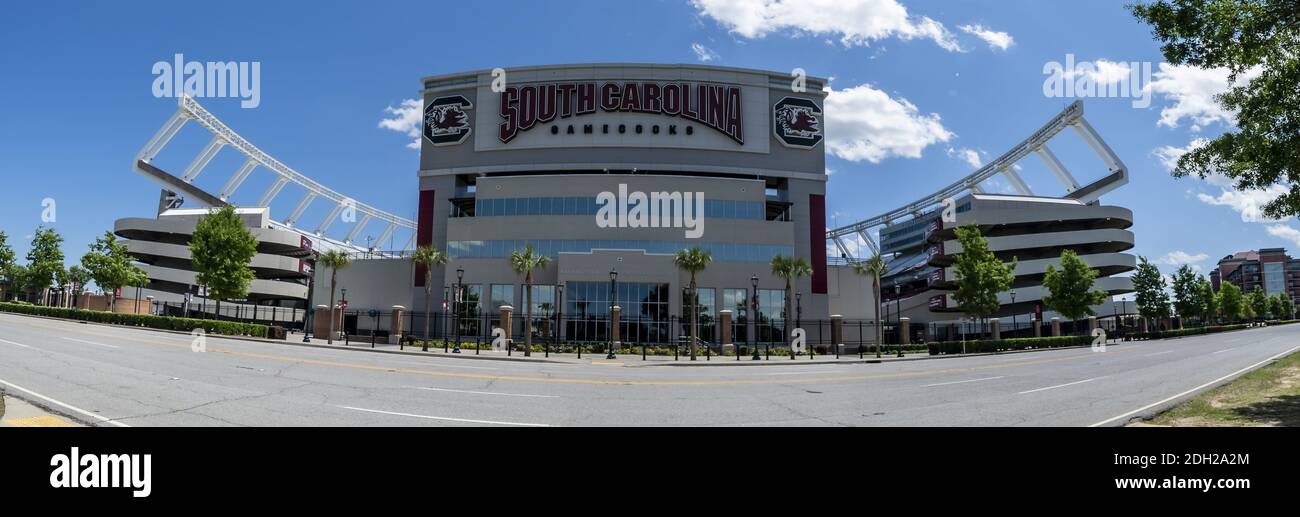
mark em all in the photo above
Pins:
pixel 1070 286
pixel 222 248
pixel 981 275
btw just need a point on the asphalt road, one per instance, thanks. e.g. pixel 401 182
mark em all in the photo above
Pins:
pixel 127 377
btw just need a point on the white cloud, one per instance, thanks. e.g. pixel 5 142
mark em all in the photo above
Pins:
pixel 703 53
pixel 1285 232
pixel 1169 155
pixel 995 39
pixel 855 22
pixel 1179 258
pixel 863 123
pixel 1192 91
pixel 1105 72
pixel 970 156
pixel 1250 203
pixel 405 119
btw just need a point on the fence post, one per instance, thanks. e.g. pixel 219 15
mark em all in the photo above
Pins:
pixel 837 333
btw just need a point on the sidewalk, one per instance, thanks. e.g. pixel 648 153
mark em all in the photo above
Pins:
pixel 18 413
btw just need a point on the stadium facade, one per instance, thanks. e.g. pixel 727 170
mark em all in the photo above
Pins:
pixel 610 169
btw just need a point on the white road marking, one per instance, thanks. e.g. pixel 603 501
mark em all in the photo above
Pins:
pixel 489 393
pixel 1159 353
pixel 1222 351
pixel 447 419
pixel 962 382
pixel 91 342
pixel 70 407
pixel 14 344
pixel 1059 386
pixel 1194 390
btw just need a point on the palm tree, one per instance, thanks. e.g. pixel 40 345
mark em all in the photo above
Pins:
pixel 693 261
pixel 428 256
pixel 789 268
pixel 874 266
pixel 524 262
pixel 335 260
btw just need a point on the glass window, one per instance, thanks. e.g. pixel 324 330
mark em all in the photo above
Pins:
pixel 502 294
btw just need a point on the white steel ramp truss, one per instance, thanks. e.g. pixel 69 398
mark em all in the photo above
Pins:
pixel 1005 166
pixel 222 136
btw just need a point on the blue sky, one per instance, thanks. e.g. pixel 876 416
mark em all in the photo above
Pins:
pixel 929 82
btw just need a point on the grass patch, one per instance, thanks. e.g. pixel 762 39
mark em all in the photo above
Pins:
pixel 1267 397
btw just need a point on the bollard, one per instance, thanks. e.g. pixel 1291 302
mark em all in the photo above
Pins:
pixel 1056 326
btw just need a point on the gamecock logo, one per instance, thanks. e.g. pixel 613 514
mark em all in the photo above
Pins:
pixel 797 122
pixel 446 121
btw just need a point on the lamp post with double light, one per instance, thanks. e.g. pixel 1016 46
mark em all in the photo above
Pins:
pixel 460 286
pixel 613 301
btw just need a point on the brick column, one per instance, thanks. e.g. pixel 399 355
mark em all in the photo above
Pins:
pixel 1092 324
pixel 397 325
pixel 905 328
pixel 1038 327
pixel 506 312
pixel 837 331
pixel 1056 326
pixel 724 329
pixel 320 327
pixel 996 326
pixel 613 325
pixel 1142 325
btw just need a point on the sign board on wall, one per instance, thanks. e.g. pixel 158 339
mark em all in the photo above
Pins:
pixel 611 113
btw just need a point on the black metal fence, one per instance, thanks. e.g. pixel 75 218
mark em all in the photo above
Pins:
pixel 591 334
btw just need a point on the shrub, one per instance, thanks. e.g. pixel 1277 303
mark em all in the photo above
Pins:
pixel 228 328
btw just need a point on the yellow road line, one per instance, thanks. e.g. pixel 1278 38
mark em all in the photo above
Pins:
pixel 39 421
pixel 563 380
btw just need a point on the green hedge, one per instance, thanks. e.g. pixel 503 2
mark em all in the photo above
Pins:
pixel 228 328
pixel 1002 345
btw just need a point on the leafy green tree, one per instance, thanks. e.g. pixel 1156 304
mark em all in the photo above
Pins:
pixel 335 260
pixel 1288 307
pixel 1258 303
pixel 1249 38
pixel 981 275
pixel 44 260
pixel 524 262
pixel 1206 300
pixel 221 250
pixel 1232 304
pixel 1187 296
pixel 789 268
pixel 874 267
pixel 1071 289
pixel 1275 306
pixel 111 266
pixel 428 256
pixel 6 265
pixel 693 260
pixel 1149 291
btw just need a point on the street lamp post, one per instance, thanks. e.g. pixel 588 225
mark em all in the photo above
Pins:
pixel 559 316
pixel 898 313
pixel 613 300
pixel 1013 313
pixel 343 309
pixel 307 307
pixel 753 281
pixel 460 286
